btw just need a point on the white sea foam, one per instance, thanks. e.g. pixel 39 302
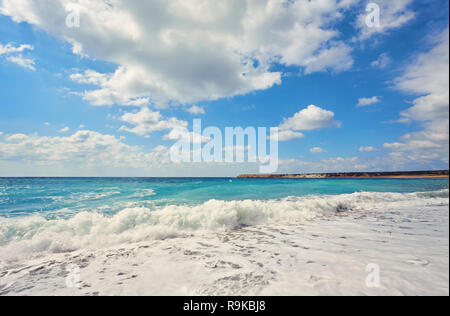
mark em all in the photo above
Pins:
pixel 35 235
pixel 316 245
pixel 144 193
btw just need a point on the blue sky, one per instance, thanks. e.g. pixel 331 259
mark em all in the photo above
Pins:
pixel 65 92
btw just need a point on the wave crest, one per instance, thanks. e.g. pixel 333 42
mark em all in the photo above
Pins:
pixel 34 235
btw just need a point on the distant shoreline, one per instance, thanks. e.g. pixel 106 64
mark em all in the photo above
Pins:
pixel 441 174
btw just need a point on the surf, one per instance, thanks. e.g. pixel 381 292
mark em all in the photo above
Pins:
pixel 36 234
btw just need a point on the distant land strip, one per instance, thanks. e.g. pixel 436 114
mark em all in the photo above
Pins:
pixel 441 174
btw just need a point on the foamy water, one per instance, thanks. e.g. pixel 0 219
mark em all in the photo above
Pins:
pixel 154 241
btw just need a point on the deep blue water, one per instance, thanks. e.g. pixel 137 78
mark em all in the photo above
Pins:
pixel 68 196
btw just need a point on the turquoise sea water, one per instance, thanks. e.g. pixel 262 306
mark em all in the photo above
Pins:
pixel 65 197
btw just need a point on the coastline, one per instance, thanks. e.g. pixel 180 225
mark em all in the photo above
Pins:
pixel 441 174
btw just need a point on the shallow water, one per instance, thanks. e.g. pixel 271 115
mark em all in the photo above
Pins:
pixel 54 197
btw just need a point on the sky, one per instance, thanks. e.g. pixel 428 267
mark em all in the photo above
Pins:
pixel 97 87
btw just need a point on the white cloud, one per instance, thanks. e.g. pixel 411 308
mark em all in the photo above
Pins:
pixel 402 120
pixel 412 145
pixel 317 150
pixel 64 130
pixel 336 164
pixel 16 137
pixel 11 53
pixel 367 101
pixel 196 110
pixel 22 62
pixel 428 77
pixel 288 135
pixel 146 121
pixel 85 148
pixel 186 136
pixel 393 145
pixel 10 49
pixel 89 153
pixel 382 62
pixel 185 51
pixel 367 149
pixel 393 162
pixel 393 14
pixel 110 92
pixel 47 124
pixel 311 118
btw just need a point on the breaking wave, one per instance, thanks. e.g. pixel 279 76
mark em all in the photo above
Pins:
pixel 34 235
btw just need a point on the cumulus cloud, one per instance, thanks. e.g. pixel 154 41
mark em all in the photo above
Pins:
pixel 317 150
pixel 287 135
pixel 393 162
pixel 64 130
pixel 196 110
pixel 146 122
pixel 382 62
pixel 22 62
pixel 90 153
pixel 10 49
pixel 13 55
pixel 311 118
pixel 367 101
pixel 16 137
pixel 182 134
pixel 185 51
pixel 428 77
pixel 336 164
pixel 367 149
pixel 412 145
pixel 84 148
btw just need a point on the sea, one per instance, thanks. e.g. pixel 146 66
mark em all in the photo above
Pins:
pixel 224 236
